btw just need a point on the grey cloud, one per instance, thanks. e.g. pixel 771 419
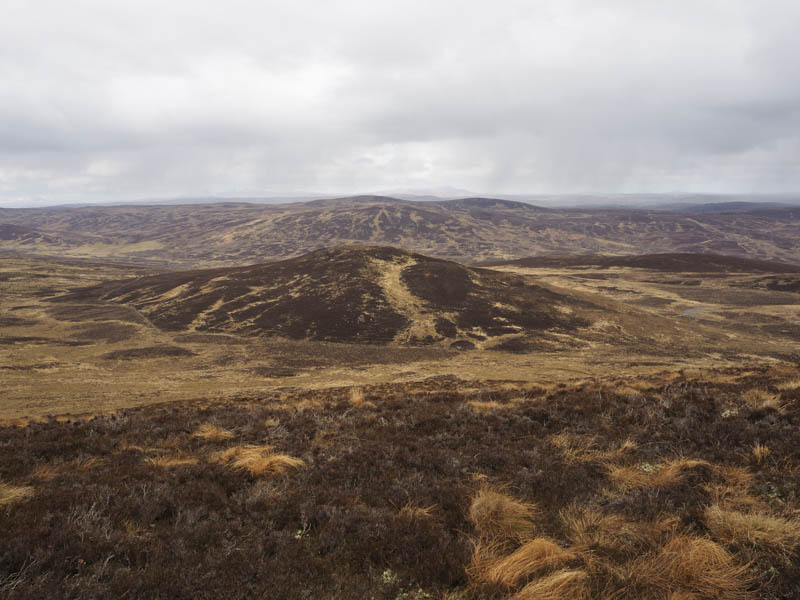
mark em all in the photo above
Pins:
pixel 107 101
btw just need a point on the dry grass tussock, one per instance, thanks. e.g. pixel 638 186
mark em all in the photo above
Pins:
pixel 9 494
pixel 675 470
pixel 358 400
pixel 764 531
pixel 481 406
pixel 760 400
pixel 760 452
pixel 563 585
pixel 410 511
pixel 695 566
pixel 578 449
pixel 497 516
pixel 79 465
pixel 658 476
pixel 535 557
pixel 735 489
pixel 259 460
pixel 589 529
pixel 212 433
pixel 171 461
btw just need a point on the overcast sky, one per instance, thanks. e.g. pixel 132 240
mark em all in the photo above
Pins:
pixel 105 100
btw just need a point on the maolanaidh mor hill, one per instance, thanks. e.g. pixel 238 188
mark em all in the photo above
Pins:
pixel 372 294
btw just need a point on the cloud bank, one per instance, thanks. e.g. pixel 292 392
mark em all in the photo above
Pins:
pixel 109 100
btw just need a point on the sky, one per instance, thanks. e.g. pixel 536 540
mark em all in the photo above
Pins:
pixel 110 100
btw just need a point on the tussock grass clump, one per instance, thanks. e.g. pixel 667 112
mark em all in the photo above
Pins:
pixel 734 491
pixel 79 465
pixel 259 460
pixel 171 461
pixel 574 448
pixel 532 558
pixel 759 401
pixel 764 531
pixel 212 433
pixel 497 516
pixel 695 566
pixel 588 530
pixel 357 399
pixel 628 477
pixel 563 585
pixel 409 511
pixel 760 452
pixel 9 494
pixel 659 476
pixel 674 471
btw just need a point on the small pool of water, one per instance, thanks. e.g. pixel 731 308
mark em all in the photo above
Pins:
pixel 697 311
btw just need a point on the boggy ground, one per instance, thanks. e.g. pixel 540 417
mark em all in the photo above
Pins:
pixel 676 485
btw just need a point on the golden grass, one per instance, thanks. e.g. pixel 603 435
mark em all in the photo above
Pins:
pixel 532 558
pixel 788 386
pixel 628 477
pixel 49 470
pixel 212 433
pixel 659 476
pixel 578 449
pixel 674 471
pixel 574 448
pixel 589 529
pixel 9 494
pixel 755 529
pixel 497 516
pixel 564 585
pixel 734 491
pixel 171 461
pixel 694 566
pixel 410 511
pixel 758 399
pixel 626 447
pixel 259 460
pixel 357 399
pixel 480 406
pixel 760 452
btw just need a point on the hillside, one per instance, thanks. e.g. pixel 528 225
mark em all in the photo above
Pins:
pixel 676 262
pixel 355 294
pixel 466 230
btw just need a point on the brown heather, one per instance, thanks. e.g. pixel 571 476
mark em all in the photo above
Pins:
pixel 387 503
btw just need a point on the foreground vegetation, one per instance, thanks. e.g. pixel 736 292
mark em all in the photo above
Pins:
pixel 673 486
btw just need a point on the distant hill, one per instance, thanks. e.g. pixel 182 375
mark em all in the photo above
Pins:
pixel 358 294
pixel 678 262
pixel 465 230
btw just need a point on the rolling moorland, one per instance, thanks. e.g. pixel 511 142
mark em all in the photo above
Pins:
pixel 267 409
pixel 468 230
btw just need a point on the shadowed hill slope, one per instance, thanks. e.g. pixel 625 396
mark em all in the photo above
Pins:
pixel 366 294
pixel 677 262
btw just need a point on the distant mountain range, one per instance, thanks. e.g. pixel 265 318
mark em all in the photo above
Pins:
pixel 465 229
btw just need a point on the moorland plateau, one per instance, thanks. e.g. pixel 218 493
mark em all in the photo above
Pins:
pixel 376 398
